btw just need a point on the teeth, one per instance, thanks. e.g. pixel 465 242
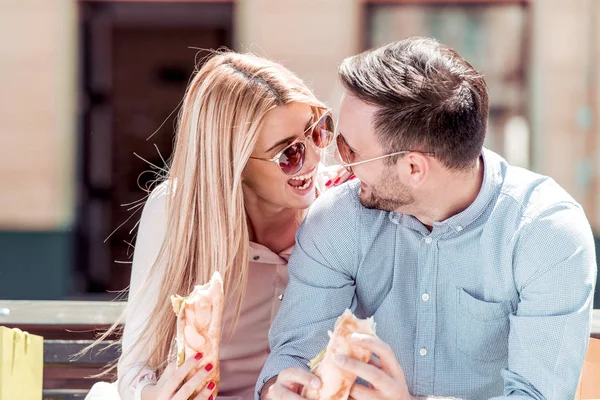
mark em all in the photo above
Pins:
pixel 306 185
pixel 303 177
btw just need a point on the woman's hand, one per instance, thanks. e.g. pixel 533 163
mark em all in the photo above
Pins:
pixel 337 177
pixel 170 386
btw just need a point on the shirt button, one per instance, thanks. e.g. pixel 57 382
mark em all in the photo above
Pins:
pixel 423 352
pixel 428 240
pixel 425 297
pixel 256 258
pixel 280 297
pixel 459 228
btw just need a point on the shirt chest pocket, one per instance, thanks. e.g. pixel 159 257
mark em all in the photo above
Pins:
pixel 482 327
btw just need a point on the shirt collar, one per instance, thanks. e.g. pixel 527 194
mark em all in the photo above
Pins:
pixel 492 179
pixel 262 254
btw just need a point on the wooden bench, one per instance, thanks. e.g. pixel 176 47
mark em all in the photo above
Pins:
pixel 58 354
pixel 67 328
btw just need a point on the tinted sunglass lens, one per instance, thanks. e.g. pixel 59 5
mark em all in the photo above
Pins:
pixel 323 132
pixel 343 149
pixel 292 159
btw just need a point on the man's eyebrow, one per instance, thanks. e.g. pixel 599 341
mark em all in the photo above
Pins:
pixel 346 141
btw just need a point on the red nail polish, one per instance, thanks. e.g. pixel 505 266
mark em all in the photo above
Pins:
pixel 198 356
pixel 208 367
pixel 211 386
pixel 210 397
pixel 337 181
pixel 328 183
pixel 352 177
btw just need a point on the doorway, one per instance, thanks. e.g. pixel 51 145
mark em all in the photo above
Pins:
pixel 136 61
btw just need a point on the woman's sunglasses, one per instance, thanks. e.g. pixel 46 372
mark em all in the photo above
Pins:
pixel 291 159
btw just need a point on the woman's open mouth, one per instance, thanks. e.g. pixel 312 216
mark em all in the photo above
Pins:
pixel 303 182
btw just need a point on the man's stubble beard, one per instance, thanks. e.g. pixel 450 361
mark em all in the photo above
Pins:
pixel 388 194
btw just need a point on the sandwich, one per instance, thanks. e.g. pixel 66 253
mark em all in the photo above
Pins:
pixel 199 318
pixel 336 382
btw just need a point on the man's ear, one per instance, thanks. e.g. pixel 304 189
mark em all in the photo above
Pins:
pixel 417 166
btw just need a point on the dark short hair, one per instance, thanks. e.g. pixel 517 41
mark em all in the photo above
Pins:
pixel 428 98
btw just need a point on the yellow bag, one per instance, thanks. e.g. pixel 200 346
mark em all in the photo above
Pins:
pixel 589 383
pixel 21 365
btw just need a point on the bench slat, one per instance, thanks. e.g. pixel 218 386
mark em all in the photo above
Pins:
pixel 95 313
pixel 62 352
pixel 72 394
pixel 60 312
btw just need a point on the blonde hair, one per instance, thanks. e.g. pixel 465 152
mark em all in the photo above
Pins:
pixel 207 229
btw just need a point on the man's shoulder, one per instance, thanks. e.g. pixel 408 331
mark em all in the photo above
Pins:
pixel 329 231
pixel 337 214
pixel 534 193
pixel 346 192
pixel 337 201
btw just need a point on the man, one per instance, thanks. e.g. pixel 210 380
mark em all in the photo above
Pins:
pixel 480 275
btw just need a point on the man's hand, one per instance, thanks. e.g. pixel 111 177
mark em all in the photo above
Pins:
pixel 288 385
pixel 386 378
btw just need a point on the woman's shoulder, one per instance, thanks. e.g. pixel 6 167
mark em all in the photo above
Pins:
pixel 154 212
pixel 161 192
pixel 156 201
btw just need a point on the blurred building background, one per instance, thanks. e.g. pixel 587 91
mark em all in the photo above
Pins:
pixel 85 84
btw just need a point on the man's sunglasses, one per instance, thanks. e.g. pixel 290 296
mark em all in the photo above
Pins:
pixel 291 159
pixel 345 153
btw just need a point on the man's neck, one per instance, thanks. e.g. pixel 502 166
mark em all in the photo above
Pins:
pixel 451 194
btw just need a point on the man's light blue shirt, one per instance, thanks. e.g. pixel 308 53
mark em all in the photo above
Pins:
pixel 494 302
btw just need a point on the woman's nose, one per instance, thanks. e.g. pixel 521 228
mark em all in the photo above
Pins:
pixel 314 152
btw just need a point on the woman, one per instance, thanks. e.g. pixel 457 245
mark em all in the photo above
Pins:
pixel 243 173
